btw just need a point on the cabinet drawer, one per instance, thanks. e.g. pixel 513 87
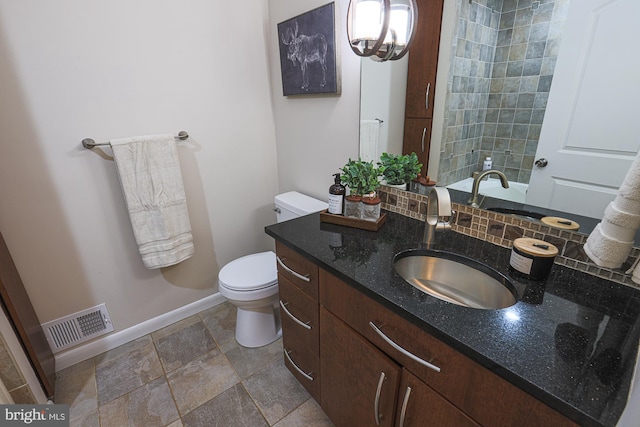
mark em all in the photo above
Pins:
pixel 299 314
pixel 305 366
pixel 297 269
pixel 460 380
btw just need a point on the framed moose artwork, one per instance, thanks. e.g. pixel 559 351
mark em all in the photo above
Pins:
pixel 308 53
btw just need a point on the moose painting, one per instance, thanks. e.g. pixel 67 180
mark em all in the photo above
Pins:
pixel 307 53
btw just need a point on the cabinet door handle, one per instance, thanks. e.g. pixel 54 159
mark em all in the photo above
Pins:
pixel 288 270
pixel 402 350
pixel 303 373
pixel 405 403
pixel 283 305
pixel 376 403
pixel 424 133
pixel 426 97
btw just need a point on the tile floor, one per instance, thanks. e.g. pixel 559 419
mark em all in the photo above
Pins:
pixel 191 373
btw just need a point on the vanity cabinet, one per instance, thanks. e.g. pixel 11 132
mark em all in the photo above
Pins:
pixel 365 364
pixel 298 299
pixel 421 81
pixel 378 390
pixel 456 390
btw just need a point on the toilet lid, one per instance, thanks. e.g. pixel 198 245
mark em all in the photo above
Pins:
pixel 250 272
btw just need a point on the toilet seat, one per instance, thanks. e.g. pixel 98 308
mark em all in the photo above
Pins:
pixel 250 273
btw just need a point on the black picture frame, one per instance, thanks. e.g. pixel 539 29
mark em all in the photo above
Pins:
pixel 308 59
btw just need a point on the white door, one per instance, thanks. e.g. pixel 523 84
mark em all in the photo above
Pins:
pixel 591 129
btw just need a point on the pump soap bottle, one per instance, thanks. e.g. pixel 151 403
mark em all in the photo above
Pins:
pixel 336 196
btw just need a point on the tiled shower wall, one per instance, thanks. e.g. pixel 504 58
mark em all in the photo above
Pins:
pixel 504 54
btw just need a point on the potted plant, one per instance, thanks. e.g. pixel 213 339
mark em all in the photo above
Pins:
pixel 362 178
pixel 399 170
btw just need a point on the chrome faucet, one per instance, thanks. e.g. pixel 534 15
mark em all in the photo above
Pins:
pixel 473 201
pixel 438 207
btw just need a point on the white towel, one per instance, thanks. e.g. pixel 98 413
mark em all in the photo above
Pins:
pixel 619 225
pixel 369 135
pixel 630 187
pixel 606 251
pixel 152 186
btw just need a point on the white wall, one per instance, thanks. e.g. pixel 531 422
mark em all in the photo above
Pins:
pixel 383 92
pixel 316 135
pixel 73 69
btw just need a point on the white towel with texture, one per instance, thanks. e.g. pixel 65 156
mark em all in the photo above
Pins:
pixel 369 139
pixel 630 187
pixel 606 251
pixel 610 242
pixel 151 182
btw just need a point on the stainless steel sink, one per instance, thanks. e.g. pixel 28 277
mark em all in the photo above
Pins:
pixel 456 279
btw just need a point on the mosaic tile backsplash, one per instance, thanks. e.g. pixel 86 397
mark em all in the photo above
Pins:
pixel 502 230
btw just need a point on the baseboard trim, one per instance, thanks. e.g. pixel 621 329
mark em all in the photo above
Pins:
pixel 100 345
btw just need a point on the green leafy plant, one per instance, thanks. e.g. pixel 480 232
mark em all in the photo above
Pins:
pixel 399 169
pixel 361 177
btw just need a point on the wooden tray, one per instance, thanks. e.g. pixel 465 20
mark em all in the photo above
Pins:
pixel 353 222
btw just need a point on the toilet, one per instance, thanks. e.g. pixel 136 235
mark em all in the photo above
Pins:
pixel 251 282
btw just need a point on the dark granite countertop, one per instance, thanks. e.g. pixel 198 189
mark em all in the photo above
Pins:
pixel 571 340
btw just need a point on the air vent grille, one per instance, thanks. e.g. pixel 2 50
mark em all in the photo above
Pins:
pixel 77 328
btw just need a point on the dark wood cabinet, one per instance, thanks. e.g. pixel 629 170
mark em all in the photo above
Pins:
pixel 417 139
pixel 359 383
pixel 421 81
pixel 368 366
pixel 298 288
pixel 423 60
pixel 474 392
pixel 419 405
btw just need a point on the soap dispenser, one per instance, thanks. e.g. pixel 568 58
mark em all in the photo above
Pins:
pixel 336 196
pixel 487 164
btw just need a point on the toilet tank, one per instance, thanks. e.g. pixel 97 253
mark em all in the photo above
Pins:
pixel 293 205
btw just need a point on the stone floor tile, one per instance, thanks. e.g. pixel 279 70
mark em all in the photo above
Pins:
pixel 234 407
pixel 175 327
pixel 127 371
pixel 123 349
pixel 276 391
pixel 178 345
pixel 309 414
pixel 247 361
pixel 201 380
pixel 150 405
pixel 76 387
pixel 88 419
pixel 221 322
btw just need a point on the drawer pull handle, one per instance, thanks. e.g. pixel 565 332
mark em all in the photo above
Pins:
pixel 304 374
pixel 402 350
pixel 376 403
pixel 426 97
pixel 294 318
pixel 288 270
pixel 405 403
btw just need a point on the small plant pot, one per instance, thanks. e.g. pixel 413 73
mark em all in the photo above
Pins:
pixel 398 186
pixel 371 208
pixel 353 206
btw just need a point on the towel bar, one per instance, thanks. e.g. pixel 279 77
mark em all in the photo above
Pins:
pixel 90 143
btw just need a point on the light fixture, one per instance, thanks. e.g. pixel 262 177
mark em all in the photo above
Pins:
pixel 381 29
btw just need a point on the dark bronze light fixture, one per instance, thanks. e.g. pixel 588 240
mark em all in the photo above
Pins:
pixel 381 29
